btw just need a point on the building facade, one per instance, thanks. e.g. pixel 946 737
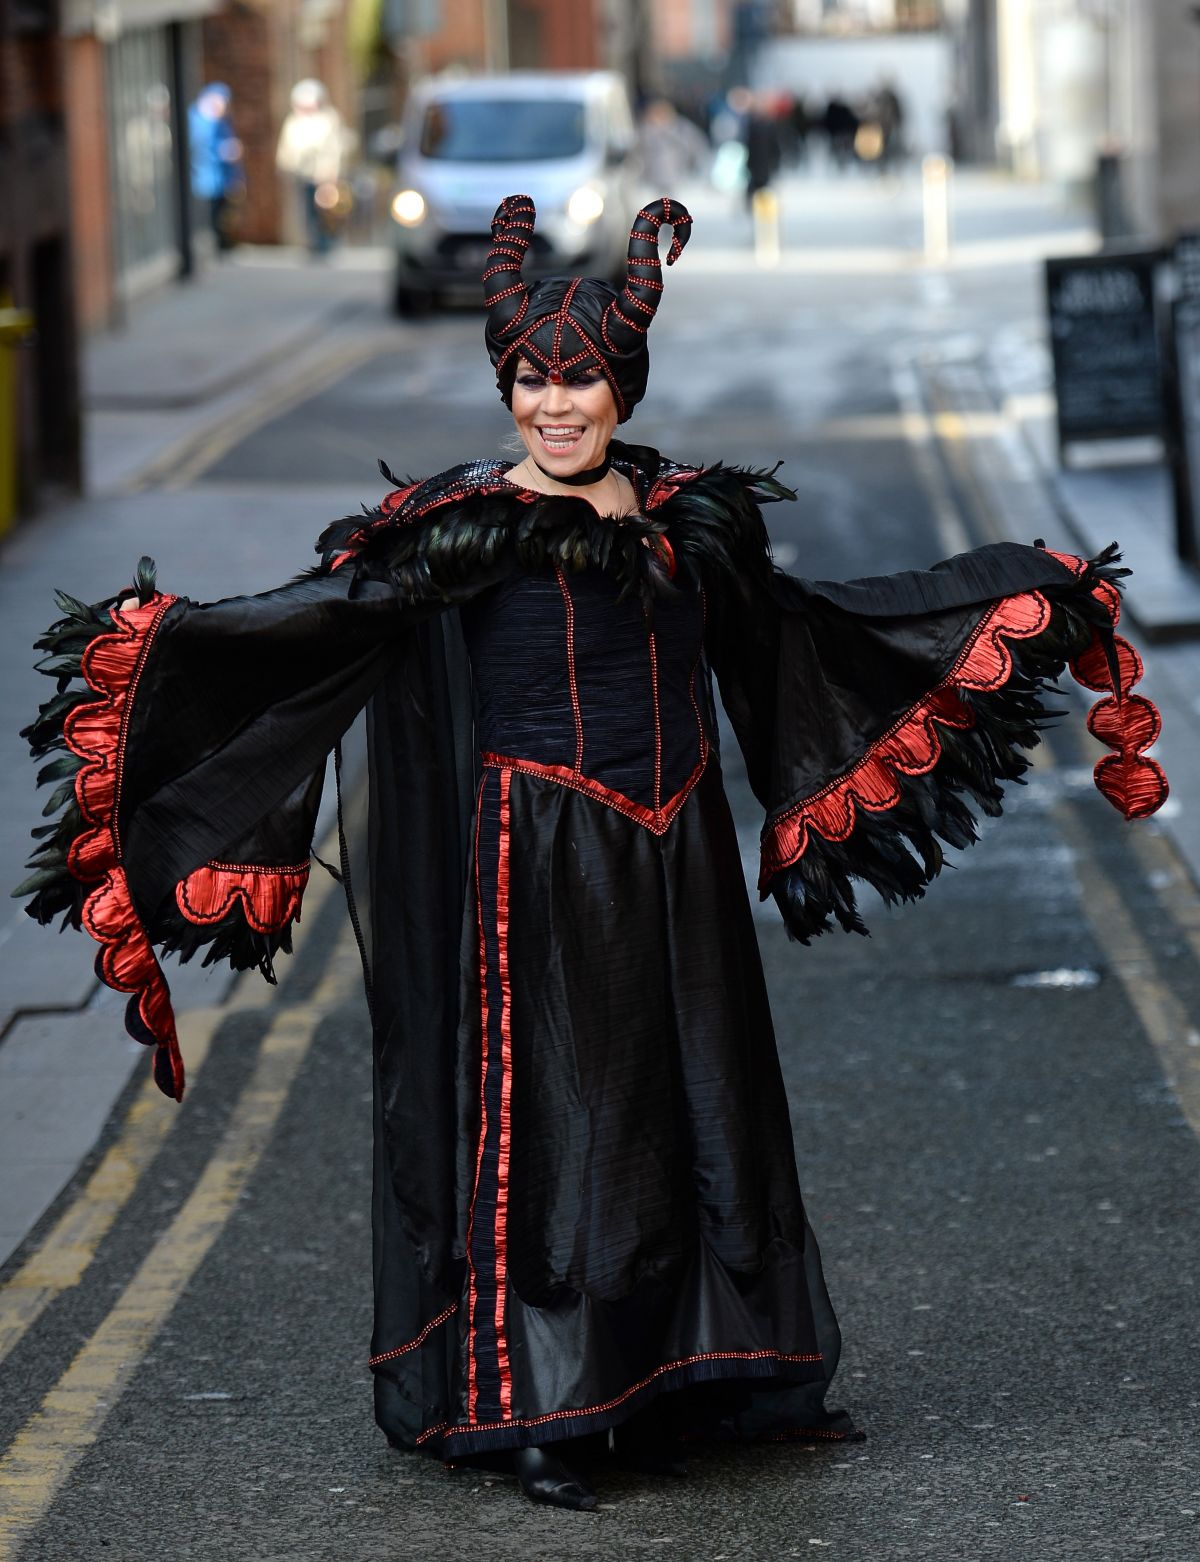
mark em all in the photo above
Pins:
pixel 481 35
pixel 260 50
pixel 39 377
pixel 1077 90
pixel 131 69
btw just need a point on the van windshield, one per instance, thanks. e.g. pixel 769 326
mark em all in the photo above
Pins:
pixel 502 130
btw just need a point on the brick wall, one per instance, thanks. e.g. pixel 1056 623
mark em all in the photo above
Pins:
pixel 240 50
pixel 672 29
pixel 91 214
pixel 543 35
pixel 260 52
pixel 570 35
pixel 30 80
pixel 460 40
pixel 35 253
pixel 1177 97
pixel 691 29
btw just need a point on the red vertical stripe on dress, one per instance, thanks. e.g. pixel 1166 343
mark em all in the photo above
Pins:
pixel 657 730
pixel 572 682
pixel 472 1279
pixel 692 677
pixel 501 1244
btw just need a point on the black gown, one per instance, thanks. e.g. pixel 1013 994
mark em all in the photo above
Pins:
pixel 585 1190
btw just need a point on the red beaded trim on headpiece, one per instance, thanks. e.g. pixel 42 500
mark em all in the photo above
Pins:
pixel 622 325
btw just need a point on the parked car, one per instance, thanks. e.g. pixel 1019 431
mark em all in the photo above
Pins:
pixel 565 138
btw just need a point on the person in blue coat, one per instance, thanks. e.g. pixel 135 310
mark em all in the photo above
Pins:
pixel 216 157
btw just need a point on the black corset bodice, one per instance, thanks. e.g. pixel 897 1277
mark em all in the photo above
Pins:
pixel 571 685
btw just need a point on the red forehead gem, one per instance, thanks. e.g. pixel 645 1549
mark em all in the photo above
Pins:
pixel 555 377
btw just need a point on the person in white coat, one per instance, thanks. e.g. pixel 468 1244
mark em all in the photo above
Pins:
pixel 312 144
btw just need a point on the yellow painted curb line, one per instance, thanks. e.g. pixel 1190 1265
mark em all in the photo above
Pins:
pixel 1169 1028
pixel 190 457
pixel 72 1243
pixel 60 1260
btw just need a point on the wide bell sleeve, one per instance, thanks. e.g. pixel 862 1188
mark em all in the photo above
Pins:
pixel 186 746
pixel 880 717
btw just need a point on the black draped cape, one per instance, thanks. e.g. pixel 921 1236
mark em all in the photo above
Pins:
pixel 186 746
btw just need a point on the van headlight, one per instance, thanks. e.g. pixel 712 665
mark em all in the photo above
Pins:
pixel 585 206
pixel 408 208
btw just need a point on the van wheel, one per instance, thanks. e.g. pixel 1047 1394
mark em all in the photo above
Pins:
pixel 410 303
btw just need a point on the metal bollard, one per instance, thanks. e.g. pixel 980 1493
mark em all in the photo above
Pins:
pixel 16 328
pixel 936 178
pixel 765 207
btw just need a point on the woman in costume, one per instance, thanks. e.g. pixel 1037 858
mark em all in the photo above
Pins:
pixel 586 1215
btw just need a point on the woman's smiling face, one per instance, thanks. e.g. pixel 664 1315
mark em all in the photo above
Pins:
pixel 565 427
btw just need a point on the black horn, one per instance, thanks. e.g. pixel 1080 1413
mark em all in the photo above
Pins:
pixel 628 319
pixel 506 294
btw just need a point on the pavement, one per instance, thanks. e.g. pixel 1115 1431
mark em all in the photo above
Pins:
pixel 996 1099
pixel 185 345
pixel 1107 489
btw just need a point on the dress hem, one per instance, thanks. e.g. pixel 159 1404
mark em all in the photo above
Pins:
pixel 449 1441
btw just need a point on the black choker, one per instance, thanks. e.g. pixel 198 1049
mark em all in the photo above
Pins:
pixel 594 474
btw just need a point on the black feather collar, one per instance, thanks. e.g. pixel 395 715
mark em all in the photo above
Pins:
pixel 430 538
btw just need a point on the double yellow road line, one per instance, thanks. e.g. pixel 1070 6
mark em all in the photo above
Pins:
pixel 284 389
pixel 60 1261
pixel 69 1418
pixel 1171 1031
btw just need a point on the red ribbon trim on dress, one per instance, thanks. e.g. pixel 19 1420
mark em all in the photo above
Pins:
pixel 657 821
pixel 499 1275
pixel 472 1285
pixel 500 1241
pixel 270 897
pixel 417 1340
pixel 453 1429
pixel 96 732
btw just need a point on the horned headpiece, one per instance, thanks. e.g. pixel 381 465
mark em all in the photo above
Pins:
pixel 566 325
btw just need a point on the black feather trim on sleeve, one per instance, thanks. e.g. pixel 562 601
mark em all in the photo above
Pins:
pixel 66 867
pixel 923 783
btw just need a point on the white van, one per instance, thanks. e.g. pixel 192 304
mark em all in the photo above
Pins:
pixel 565 138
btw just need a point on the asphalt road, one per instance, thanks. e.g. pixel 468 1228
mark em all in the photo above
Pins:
pixel 1003 1182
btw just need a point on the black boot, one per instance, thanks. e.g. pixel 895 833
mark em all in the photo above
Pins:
pixel 543 1478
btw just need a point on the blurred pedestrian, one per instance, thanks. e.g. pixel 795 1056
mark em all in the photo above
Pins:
pixel 729 115
pixel 802 123
pixel 311 147
pixel 672 146
pixel 841 127
pixel 215 156
pixel 778 105
pixel 764 151
pixel 889 116
pixel 726 131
